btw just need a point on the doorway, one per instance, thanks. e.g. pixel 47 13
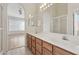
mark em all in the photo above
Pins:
pixel 16 26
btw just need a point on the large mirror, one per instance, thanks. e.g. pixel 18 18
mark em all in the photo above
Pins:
pixel 59 18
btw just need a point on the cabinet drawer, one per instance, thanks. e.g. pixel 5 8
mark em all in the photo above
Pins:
pixel 59 51
pixel 38 53
pixel 39 48
pixel 47 46
pixel 38 41
pixel 33 50
pixel 46 52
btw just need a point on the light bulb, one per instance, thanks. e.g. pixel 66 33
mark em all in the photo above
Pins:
pixel 51 4
pixel 44 4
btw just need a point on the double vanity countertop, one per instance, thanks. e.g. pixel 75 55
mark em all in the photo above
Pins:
pixel 71 44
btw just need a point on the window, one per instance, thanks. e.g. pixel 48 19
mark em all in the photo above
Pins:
pixel 16 24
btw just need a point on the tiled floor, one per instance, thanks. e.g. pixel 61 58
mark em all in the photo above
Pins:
pixel 15 41
pixel 19 51
pixel 16 45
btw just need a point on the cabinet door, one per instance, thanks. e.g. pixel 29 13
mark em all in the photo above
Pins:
pixel 39 48
pixel 39 45
pixel 33 50
pixel 38 41
pixel 46 52
pixel 59 51
pixel 38 53
pixel 47 46
pixel 33 41
pixel 29 41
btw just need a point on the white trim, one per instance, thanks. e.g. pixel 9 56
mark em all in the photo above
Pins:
pixel 13 17
pixel 18 18
pixel 4 23
pixel 60 16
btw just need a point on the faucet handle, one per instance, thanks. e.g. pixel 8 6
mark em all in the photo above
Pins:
pixel 64 38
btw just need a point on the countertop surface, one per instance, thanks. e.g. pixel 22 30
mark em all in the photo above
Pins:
pixel 71 45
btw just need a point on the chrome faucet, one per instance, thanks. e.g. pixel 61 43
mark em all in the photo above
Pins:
pixel 64 38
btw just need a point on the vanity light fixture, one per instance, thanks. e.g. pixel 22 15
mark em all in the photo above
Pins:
pixel 45 6
pixel 42 6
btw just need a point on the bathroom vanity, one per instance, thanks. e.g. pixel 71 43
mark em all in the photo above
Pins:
pixel 50 44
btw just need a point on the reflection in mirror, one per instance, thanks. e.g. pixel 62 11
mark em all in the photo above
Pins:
pixel 60 24
pixel 76 23
pixel 59 18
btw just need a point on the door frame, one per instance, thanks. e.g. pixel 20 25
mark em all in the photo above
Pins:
pixel 4 25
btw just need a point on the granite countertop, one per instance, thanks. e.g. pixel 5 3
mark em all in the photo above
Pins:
pixel 71 44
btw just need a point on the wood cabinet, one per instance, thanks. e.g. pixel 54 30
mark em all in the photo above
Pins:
pixel 47 48
pixel 33 45
pixel 29 41
pixel 38 41
pixel 33 41
pixel 33 50
pixel 59 51
pixel 38 46
pixel 41 47
pixel 38 53
pixel 46 52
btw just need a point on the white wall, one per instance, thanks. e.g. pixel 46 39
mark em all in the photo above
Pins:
pixel 12 10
